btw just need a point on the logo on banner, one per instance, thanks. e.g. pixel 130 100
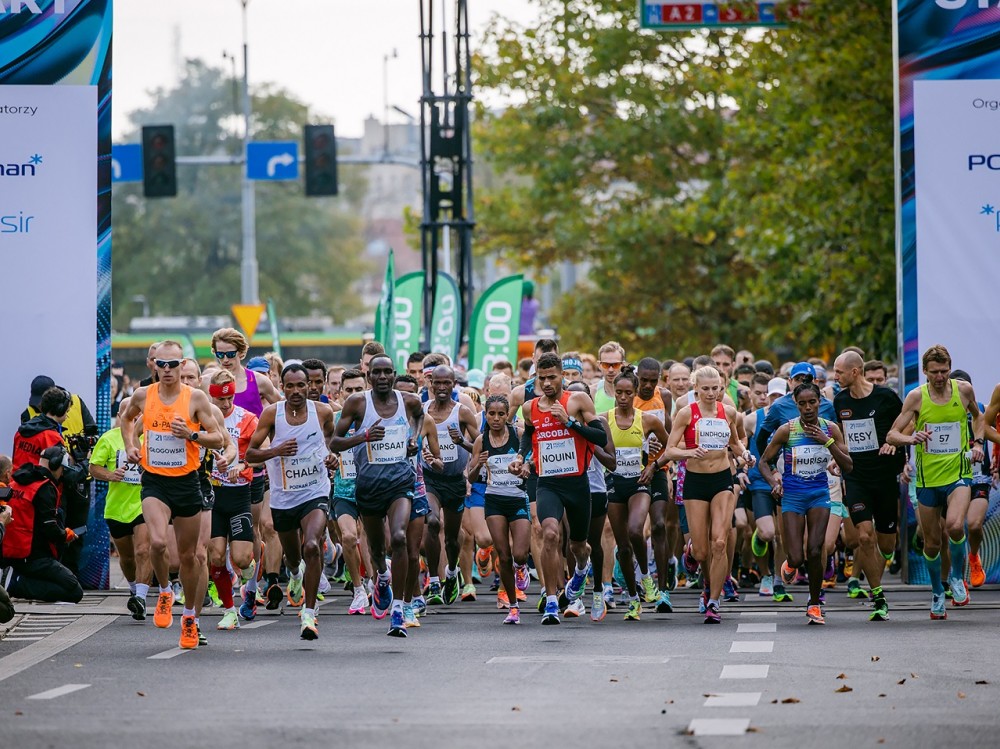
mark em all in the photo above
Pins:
pixel 16 223
pixel 992 213
pixel 959 4
pixel 16 6
pixel 28 169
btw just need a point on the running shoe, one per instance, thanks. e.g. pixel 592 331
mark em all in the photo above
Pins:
pixel 434 597
pixel 688 562
pixel 822 598
pixel 849 567
pixel 324 586
pixel 273 597
pixel 608 592
pixel 947 590
pixel 248 609
pixel 178 590
pixel 261 596
pixel 189 633
pixel 202 640
pixel 830 573
pixel 409 617
pixel 672 574
pixel 937 607
pixel 397 624
pixel 729 593
pixel 854 589
pixel 766 586
pixel 703 602
pixel 712 614
pixel 521 577
pixel 616 572
pixel 307 626
pixel 469 592
pixel 229 620
pixel 598 608
pixel 649 592
pixel 137 606
pixel 551 615
pixel 495 585
pixel 575 609
pixel 780 596
pixel 503 602
pixel 359 604
pixel 576 584
pixel 634 610
pixel 880 610
pixel 788 575
pixel 295 593
pixel 815 614
pixel 419 606
pixel 451 588
pixel 163 617
pixel 520 595
pixel 663 605
pixel 382 600
pixel 513 616
pixel 828 584
pixel 563 600
pixel 959 594
pixel 758 547
pixel 541 603
pixel 213 595
pixel 484 561
pixel 977 575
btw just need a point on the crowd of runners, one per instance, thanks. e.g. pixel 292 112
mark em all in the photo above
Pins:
pixel 624 479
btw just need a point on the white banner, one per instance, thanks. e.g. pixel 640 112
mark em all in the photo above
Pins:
pixel 957 164
pixel 48 230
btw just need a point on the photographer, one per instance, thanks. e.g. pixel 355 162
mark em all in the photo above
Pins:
pixel 44 428
pixel 78 419
pixel 6 607
pixel 36 535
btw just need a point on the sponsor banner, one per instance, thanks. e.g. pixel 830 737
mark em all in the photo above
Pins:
pixel 55 216
pixel 495 324
pixel 445 324
pixel 383 314
pixel 407 308
pixel 272 318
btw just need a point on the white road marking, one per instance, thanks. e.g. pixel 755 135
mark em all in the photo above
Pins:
pixel 744 671
pixel 68 636
pixel 758 613
pixel 733 699
pixel 610 659
pixel 256 625
pixel 752 646
pixel 17 637
pixel 58 691
pixel 719 726
pixel 754 628
pixel 172 653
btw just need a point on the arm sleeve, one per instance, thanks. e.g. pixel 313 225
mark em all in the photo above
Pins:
pixel 525 448
pixel 592 432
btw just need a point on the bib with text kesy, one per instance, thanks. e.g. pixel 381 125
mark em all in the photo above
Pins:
pixel 860 435
pixel 133 471
pixel 557 457
pixel 809 461
pixel 629 462
pixel 391 448
pixel 713 434
pixel 164 450
pixel 498 471
pixel 946 438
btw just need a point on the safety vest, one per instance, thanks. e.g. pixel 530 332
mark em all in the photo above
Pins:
pixel 21 530
pixel 29 449
pixel 74 417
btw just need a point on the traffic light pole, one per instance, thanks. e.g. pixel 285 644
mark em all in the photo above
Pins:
pixel 249 275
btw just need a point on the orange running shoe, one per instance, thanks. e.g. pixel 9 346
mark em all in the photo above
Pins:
pixel 815 615
pixel 484 562
pixel 503 602
pixel 521 595
pixel 977 575
pixel 163 616
pixel 189 633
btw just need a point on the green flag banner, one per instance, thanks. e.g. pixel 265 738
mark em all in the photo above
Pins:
pixel 272 318
pixel 495 324
pixel 383 314
pixel 447 313
pixel 407 313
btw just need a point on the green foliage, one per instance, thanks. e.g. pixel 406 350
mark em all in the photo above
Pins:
pixel 727 186
pixel 184 253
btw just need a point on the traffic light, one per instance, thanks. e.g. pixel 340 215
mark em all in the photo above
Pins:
pixel 321 160
pixel 159 162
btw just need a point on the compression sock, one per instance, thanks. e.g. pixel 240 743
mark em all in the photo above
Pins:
pixel 957 549
pixel 223 585
pixel 934 570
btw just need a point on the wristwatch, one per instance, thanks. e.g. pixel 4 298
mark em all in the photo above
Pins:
pixel 978 441
pixel 193 437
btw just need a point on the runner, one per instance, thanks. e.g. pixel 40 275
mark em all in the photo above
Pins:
pixel 386 424
pixel 866 413
pixel 297 462
pixel 176 421
pixel 253 390
pixel 937 410
pixel 559 430
pixel 611 359
pixel 708 495
pixel 806 445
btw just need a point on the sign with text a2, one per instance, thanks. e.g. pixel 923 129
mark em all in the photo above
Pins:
pixel 683 14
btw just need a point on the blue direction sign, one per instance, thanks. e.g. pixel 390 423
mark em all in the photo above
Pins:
pixel 273 160
pixel 126 163
pixel 693 14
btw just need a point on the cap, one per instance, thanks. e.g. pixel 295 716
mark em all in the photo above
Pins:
pixel 259 364
pixel 764 366
pixel 38 387
pixel 777 386
pixel 803 368
pixel 475 378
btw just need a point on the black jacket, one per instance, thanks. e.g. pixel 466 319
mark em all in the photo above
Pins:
pixel 50 524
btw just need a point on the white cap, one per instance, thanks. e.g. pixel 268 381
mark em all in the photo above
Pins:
pixel 777 386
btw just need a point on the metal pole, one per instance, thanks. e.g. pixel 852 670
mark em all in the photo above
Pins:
pixel 385 100
pixel 249 280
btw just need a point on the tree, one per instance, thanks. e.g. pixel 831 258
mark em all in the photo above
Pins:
pixel 184 253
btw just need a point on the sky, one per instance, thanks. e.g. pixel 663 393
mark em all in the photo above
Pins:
pixel 329 53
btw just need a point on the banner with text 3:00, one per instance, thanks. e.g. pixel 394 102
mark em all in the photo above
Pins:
pixel 495 324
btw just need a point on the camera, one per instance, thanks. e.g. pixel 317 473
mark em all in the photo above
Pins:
pixel 80 445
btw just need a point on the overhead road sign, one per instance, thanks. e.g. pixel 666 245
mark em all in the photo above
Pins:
pixel 126 163
pixel 273 160
pixel 672 15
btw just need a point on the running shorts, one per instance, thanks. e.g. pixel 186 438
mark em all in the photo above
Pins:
pixel 291 519
pixel 477 497
pixel 659 488
pixel 419 507
pixel 511 508
pixel 231 514
pixel 801 503
pixel 598 504
pixel 118 529
pixel 620 490
pixel 181 494
pixel 703 487
pixel 257 488
pixel 449 490
pixel 764 504
pixel 377 502
pixel 934 496
pixel 569 495
pixel 343 506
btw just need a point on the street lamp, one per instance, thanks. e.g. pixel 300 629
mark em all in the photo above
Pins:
pixel 385 99
pixel 249 279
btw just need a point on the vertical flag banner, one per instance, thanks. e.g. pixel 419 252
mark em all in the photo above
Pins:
pixel 55 232
pixel 445 328
pixel 383 314
pixel 272 318
pixel 407 314
pixel 495 324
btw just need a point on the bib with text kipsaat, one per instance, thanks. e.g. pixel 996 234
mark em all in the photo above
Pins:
pixel 133 471
pixel 391 448
pixel 164 450
pixel 629 462
pixel 860 435
pixel 946 438
pixel 809 461
pixel 498 471
pixel 447 446
pixel 302 472
pixel 557 457
pixel 713 434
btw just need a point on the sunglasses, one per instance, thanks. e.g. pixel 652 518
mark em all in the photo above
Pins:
pixel 220 355
pixel 168 363
pixel 611 364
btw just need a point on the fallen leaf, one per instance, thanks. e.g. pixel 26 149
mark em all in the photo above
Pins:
pixel 516 709
pixel 774 702
pixel 753 729
pixel 844 688
pixel 708 694
pixel 670 702
pixel 875 658
pixel 901 681
pixel 612 679
pixel 687 732
pixel 141 694
pixel 961 695
pixel 882 695
pixel 982 681
pixel 791 701
pixel 18 712
pixel 841 676
pixel 913 675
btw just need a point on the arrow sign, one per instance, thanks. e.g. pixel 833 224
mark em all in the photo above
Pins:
pixel 273 160
pixel 248 317
pixel 126 163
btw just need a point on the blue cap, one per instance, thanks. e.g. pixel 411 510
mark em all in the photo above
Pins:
pixel 259 364
pixel 803 368
pixel 476 378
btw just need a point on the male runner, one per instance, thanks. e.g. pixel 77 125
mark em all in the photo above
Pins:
pixel 611 359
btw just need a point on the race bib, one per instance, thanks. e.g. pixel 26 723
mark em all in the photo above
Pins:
pixel 629 462
pixel 713 434
pixel 391 448
pixel 860 435
pixel 348 471
pixel 164 450
pixel 447 446
pixel 557 457
pixel 658 413
pixel 946 438
pixel 498 471
pixel 302 472
pixel 133 472
pixel 809 461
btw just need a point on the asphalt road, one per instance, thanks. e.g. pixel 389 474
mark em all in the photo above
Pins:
pixel 95 678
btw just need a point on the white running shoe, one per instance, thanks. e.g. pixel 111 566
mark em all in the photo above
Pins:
pixel 360 603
